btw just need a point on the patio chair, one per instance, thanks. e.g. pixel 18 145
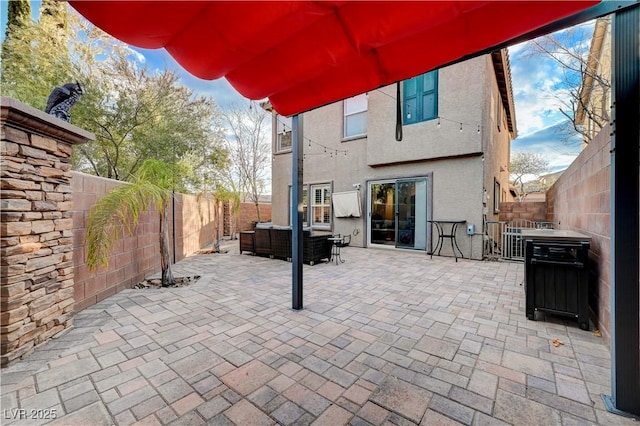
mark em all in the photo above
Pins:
pixel 344 242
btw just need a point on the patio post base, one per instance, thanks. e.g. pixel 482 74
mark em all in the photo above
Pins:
pixel 608 403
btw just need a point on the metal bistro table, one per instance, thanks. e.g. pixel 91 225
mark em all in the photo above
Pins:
pixel 451 235
pixel 335 248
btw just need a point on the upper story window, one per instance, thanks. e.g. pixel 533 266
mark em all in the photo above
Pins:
pixel 355 116
pixel 420 96
pixel 283 133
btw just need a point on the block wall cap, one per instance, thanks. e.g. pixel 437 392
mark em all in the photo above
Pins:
pixel 16 114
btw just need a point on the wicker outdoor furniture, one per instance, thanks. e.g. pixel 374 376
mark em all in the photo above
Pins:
pixel 276 242
pixel 263 240
pixel 247 241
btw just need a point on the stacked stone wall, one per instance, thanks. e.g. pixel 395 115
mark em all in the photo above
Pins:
pixel 36 239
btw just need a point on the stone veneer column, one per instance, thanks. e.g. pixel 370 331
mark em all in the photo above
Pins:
pixel 36 241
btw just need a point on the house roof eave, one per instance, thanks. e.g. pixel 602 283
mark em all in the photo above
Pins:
pixel 502 69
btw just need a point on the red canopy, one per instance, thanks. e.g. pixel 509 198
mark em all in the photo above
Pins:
pixel 305 54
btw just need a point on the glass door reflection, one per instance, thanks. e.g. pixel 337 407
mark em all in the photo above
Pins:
pixel 398 213
pixel 411 213
pixel 383 209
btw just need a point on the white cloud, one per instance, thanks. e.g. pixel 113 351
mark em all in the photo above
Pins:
pixel 539 83
pixel 551 144
pixel 220 90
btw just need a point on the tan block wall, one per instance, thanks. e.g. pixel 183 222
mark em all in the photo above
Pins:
pixel 36 239
pixel 135 257
pixel 249 214
pixel 580 201
pixel 195 220
pixel 528 210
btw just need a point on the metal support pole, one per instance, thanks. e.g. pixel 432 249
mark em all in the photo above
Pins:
pixel 296 212
pixel 625 208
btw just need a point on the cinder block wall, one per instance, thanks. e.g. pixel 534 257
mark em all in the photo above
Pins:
pixel 135 257
pixel 195 223
pixel 527 210
pixel 37 274
pixel 580 200
pixel 249 215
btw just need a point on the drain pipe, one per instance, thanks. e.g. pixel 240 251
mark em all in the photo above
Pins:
pixel 173 220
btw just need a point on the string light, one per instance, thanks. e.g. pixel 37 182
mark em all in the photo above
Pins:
pixel 310 142
pixel 438 124
pixel 440 118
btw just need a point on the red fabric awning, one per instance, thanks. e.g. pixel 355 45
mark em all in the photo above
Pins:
pixel 305 54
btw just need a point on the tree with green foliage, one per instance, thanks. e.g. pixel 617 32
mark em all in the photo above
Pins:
pixel 525 164
pixel 18 15
pixel 135 113
pixel 147 115
pixel 35 56
pixel 120 209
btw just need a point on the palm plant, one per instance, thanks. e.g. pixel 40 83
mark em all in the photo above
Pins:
pixel 120 209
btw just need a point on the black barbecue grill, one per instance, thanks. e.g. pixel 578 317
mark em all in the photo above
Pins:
pixel 556 273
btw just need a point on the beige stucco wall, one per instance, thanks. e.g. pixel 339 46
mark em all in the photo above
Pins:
pixel 452 159
pixel 496 146
pixel 460 100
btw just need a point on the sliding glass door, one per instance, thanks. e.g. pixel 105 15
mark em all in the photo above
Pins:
pixel 398 213
pixel 382 213
pixel 411 212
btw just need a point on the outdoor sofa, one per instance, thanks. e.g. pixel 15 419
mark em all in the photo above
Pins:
pixel 275 241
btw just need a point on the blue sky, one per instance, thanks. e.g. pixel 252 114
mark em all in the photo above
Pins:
pixel 537 82
pixel 534 82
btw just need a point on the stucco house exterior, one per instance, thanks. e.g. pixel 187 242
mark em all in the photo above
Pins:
pixel 593 108
pixel 451 163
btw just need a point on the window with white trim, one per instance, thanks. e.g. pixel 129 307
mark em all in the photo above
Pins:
pixel 355 116
pixel 305 203
pixel 283 133
pixel 321 206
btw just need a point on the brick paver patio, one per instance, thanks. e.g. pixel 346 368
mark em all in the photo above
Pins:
pixel 389 337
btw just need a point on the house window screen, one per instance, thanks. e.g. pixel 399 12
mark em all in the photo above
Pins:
pixel 355 116
pixel 283 137
pixel 321 205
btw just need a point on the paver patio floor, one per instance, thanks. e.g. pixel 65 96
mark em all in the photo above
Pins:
pixel 388 337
